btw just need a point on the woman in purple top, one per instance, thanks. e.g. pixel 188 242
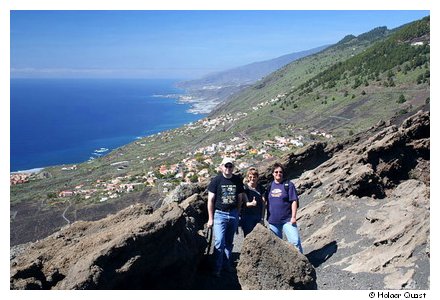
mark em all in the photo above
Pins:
pixel 282 204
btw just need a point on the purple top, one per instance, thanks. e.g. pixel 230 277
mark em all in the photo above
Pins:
pixel 279 209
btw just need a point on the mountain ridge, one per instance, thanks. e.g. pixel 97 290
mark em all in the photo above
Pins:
pixel 249 73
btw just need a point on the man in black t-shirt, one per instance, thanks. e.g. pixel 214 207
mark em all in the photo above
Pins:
pixel 225 195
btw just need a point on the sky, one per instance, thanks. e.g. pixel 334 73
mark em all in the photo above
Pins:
pixel 174 44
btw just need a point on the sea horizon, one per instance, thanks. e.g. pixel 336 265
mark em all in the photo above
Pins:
pixel 56 121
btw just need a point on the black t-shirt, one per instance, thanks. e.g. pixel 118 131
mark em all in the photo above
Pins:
pixel 226 191
pixel 258 194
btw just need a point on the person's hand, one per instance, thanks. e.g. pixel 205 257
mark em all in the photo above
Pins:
pixel 293 220
pixel 253 202
pixel 210 222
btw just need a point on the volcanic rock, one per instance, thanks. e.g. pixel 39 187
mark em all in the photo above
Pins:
pixel 132 249
pixel 365 211
pixel 267 262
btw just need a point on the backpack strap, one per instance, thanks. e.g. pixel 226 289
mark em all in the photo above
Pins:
pixel 286 186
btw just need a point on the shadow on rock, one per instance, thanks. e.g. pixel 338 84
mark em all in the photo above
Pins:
pixel 317 257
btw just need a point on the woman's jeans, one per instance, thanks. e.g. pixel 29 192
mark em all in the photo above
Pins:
pixel 248 222
pixel 291 232
pixel 225 225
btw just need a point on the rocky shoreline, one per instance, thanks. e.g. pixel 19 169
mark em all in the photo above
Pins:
pixel 204 99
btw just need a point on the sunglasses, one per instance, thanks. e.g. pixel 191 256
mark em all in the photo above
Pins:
pixel 229 166
pixel 278 172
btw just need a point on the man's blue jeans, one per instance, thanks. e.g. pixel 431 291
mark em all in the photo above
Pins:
pixel 225 225
pixel 291 232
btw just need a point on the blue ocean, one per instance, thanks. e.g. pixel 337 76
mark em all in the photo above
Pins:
pixel 61 121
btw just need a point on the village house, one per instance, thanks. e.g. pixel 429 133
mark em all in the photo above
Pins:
pixel 267 156
pixel 321 133
pixel 151 181
pixel 188 176
pixel 173 169
pixel 253 151
pixel 297 143
pixel 128 187
pixel 203 179
pixel 111 187
pixel 74 167
pixel 87 192
pixel 269 143
pixel 116 180
pixel 66 193
pixel 191 164
pixel 417 44
pixel 163 170
pixel 203 172
pixel 262 151
pixel 235 139
pixel 243 165
pixel 208 161
pixel 19 178
pixel 179 175
pixel 209 150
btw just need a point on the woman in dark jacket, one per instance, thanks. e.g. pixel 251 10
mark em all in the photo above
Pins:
pixel 253 209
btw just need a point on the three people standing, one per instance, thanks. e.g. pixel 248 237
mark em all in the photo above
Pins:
pixel 226 194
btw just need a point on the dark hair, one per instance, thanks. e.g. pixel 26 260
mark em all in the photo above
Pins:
pixel 276 166
pixel 252 171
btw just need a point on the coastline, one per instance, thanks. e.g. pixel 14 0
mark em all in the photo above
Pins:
pixel 30 171
pixel 198 105
pixel 204 99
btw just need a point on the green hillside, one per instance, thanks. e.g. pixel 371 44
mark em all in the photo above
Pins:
pixel 292 75
pixel 344 89
pixel 330 96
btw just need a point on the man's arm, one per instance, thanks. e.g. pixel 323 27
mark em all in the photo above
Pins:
pixel 211 198
pixel 294 209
